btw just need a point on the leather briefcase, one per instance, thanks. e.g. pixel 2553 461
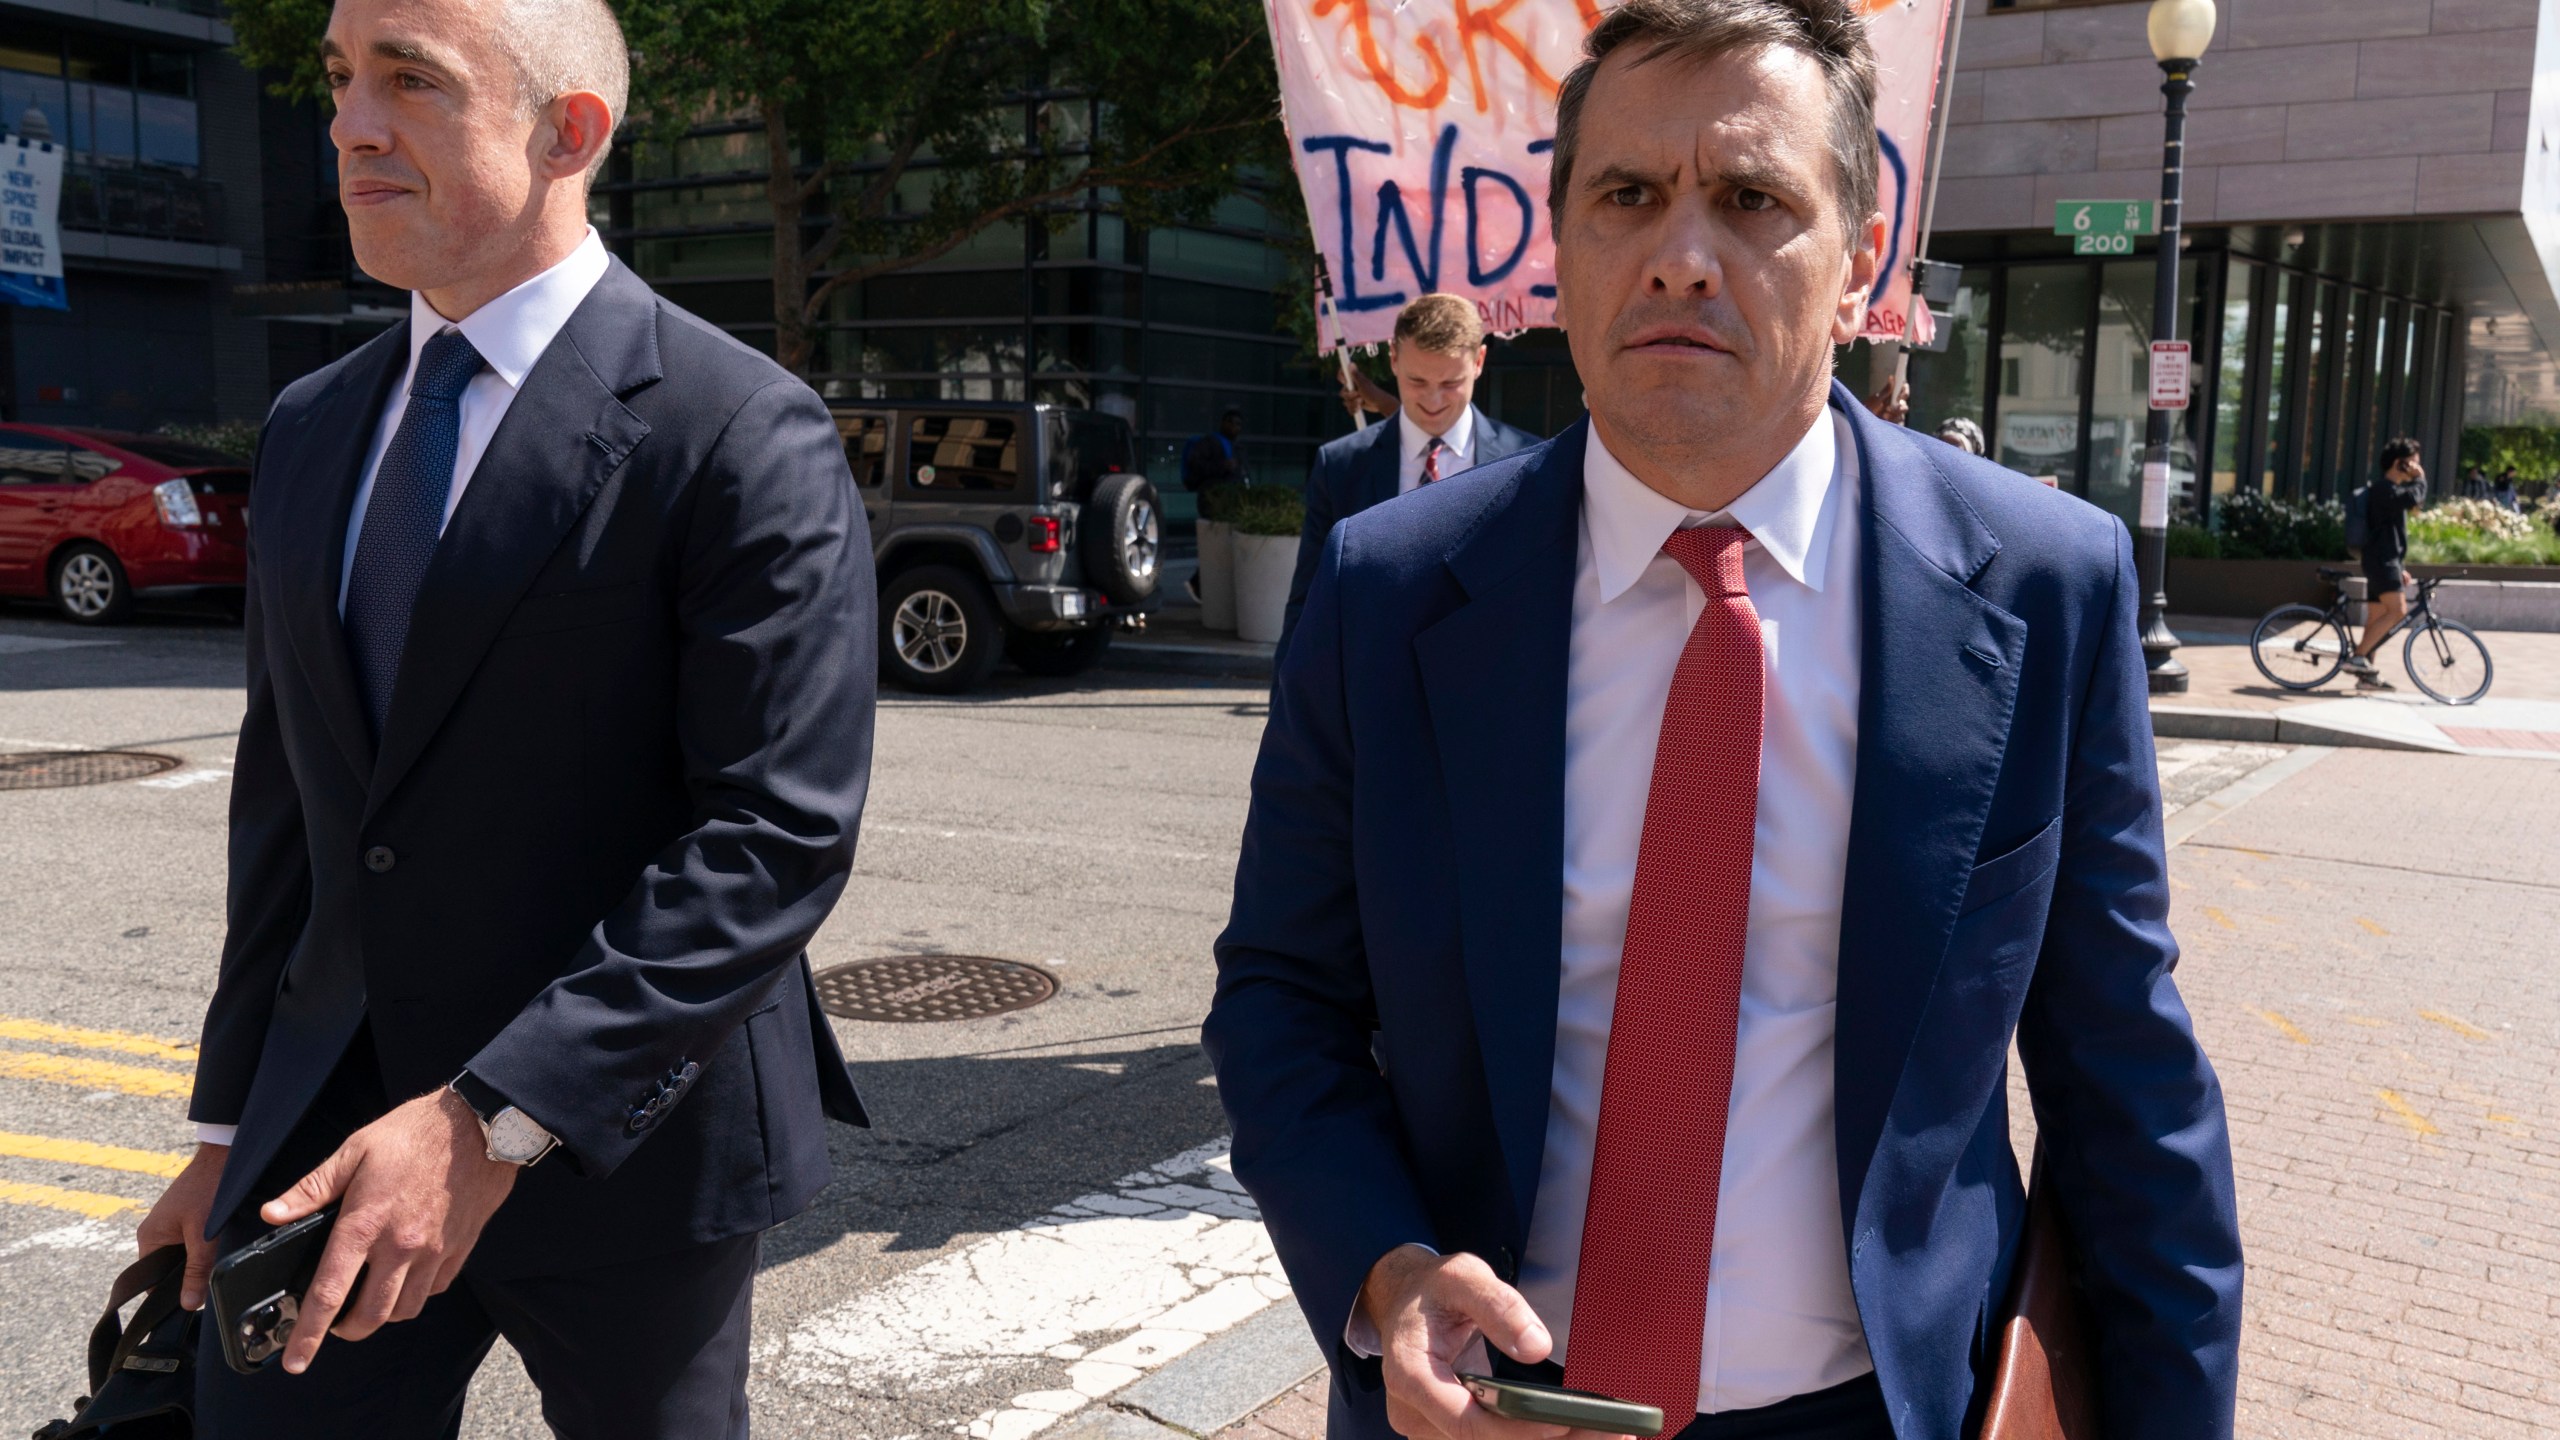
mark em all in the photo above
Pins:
pixel 2045 1387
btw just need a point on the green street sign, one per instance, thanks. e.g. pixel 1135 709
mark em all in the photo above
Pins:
pixel 2083 218
pixel 2101 244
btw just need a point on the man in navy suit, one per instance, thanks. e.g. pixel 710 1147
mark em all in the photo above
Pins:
pixel 560 686
pixel 1660 836
pixel 1437 352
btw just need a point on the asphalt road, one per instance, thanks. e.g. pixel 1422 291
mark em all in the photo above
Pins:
pixel 1087 826
pixel 1039 1225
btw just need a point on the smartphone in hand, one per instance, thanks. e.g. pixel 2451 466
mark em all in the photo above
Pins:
pixel 255 1292
pixel 1555 1405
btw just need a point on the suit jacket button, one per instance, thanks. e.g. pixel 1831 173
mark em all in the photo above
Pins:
pixel 379 859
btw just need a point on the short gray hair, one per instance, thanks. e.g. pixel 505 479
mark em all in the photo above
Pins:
pixel 1699 31
pixel 562 46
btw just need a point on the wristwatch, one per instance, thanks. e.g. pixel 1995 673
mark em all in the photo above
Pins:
pixel 512 1136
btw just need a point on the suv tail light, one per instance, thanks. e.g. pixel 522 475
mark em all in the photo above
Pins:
pixel 1044 534
pixel 177 502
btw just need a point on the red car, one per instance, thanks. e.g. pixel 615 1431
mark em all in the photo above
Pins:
pixel 92 518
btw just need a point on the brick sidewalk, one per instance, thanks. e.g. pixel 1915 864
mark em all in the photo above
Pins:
pixel 2386 1022
pixel 2216 654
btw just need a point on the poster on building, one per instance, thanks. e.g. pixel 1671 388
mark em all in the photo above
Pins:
pixel 30 228
pixel 1421 130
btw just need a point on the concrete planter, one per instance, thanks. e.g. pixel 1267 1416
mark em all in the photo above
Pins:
pixel 1217 575
pixel 2483 604
pixel 1264 566
pixel 2244 589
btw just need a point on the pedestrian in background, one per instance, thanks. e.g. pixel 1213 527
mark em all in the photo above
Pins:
pixel 1962 434
pixel 1629 935
pixel 1216 458
pixel 561 660
pixel 2504 493
pixel 1437 354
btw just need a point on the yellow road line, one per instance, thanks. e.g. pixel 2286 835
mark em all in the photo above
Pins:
pixel 2366 1021
pixel 2218 918
pixel 2369 925
pixel 82 1152
pixel 2284 1027
pixel 54 1197
pixel 123 1042
pixel 95 1074
pixel 2407 1114
pixel 2460 1027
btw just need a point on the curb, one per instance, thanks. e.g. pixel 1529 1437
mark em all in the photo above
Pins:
pixel 1187 659
pixel 2204 722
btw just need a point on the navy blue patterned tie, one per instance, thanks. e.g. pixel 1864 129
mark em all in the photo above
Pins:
pixel 404 517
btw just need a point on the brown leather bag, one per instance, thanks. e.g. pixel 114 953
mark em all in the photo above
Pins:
pixel 2045 1387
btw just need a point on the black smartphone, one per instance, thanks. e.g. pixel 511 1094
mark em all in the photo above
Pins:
pixel 255 1292
pixel 1555 1405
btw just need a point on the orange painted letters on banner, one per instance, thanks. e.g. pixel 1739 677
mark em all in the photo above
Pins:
pixel 1421 131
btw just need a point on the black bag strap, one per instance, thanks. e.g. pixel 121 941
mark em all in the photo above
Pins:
pixel 154 1276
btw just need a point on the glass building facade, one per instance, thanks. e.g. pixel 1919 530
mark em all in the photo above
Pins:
pixel 2302 367
pixel 1165 328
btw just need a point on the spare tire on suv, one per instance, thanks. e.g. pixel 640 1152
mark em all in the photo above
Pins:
pixel 1120 539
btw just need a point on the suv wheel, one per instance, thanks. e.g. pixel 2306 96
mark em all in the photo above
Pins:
pixel 1058 652
pixel 89 587
pixel 938 630
pixel 1121 538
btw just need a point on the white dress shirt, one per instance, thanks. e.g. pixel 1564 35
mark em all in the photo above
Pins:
pixel 1780 1318
pixel 1457 448
pixel 510 332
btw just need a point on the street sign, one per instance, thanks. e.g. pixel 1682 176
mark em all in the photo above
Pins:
pixel 2106 217
pixel 2105 227
pixel 2169 369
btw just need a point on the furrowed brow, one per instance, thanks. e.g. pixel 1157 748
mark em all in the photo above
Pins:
pixel 1618 176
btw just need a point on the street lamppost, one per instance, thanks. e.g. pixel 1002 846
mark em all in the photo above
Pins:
pixel 2180 31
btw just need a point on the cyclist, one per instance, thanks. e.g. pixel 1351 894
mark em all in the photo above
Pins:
pixel 2387 503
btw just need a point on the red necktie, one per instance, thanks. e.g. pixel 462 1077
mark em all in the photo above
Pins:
pixel 1640 1295
pixel 1431 461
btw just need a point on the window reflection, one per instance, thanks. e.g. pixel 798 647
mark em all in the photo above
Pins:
pixel 2044 334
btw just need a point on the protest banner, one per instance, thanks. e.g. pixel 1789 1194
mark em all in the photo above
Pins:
pixel 1421 129
pixel 30 229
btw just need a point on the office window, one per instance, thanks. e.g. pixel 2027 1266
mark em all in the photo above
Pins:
pixel 2044 335
pixel 2287 291
pixel 2231 380
pixel 1947 384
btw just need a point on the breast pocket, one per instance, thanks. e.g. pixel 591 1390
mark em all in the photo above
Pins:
pixel 580 609
pixel 2014 869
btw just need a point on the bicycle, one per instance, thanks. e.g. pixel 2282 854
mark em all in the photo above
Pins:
pixel 2303 648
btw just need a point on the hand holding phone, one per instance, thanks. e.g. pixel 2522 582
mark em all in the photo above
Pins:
pixel 1437 1315
pixel 257 1290
pixel 1555 1405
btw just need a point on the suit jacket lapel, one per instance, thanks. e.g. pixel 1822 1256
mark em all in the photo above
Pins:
pixel 1937 684
pixel 322 464
pixel 1378 466
pixel 566 432
pixel 1493 674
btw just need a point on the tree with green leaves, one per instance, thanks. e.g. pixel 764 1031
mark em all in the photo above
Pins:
pixel 895 131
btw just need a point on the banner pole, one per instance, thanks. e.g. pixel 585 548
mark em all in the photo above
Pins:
pixel 1937 143
pixel 1341 345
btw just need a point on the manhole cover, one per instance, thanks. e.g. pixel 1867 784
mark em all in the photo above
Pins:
pixel 908 988
pixel 54 769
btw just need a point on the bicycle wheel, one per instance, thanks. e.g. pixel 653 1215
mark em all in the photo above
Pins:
pixel 2298 647
pixel 2448 662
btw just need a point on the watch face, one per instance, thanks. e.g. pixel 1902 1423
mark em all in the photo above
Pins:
pixel 515 1138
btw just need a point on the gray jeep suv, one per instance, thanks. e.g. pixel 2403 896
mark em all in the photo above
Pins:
pixel 1000 529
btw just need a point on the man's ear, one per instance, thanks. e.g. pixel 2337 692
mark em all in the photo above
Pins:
pixel 1866 264
pixel 581 126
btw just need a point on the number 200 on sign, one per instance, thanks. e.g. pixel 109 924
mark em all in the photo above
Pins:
pixel 2101 244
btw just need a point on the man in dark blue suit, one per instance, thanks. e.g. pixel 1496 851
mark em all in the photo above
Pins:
pixel 1436 432
pixel 1660 836
pixel 560 688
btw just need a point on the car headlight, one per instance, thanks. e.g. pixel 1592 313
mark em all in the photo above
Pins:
pixel 177 503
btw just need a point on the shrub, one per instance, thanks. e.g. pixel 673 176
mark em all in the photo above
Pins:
pixel 2437 540
pixel 2262 527
pixel 2193 542
pixel 1220 502
pixel 2481 517
pixel 1270 510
